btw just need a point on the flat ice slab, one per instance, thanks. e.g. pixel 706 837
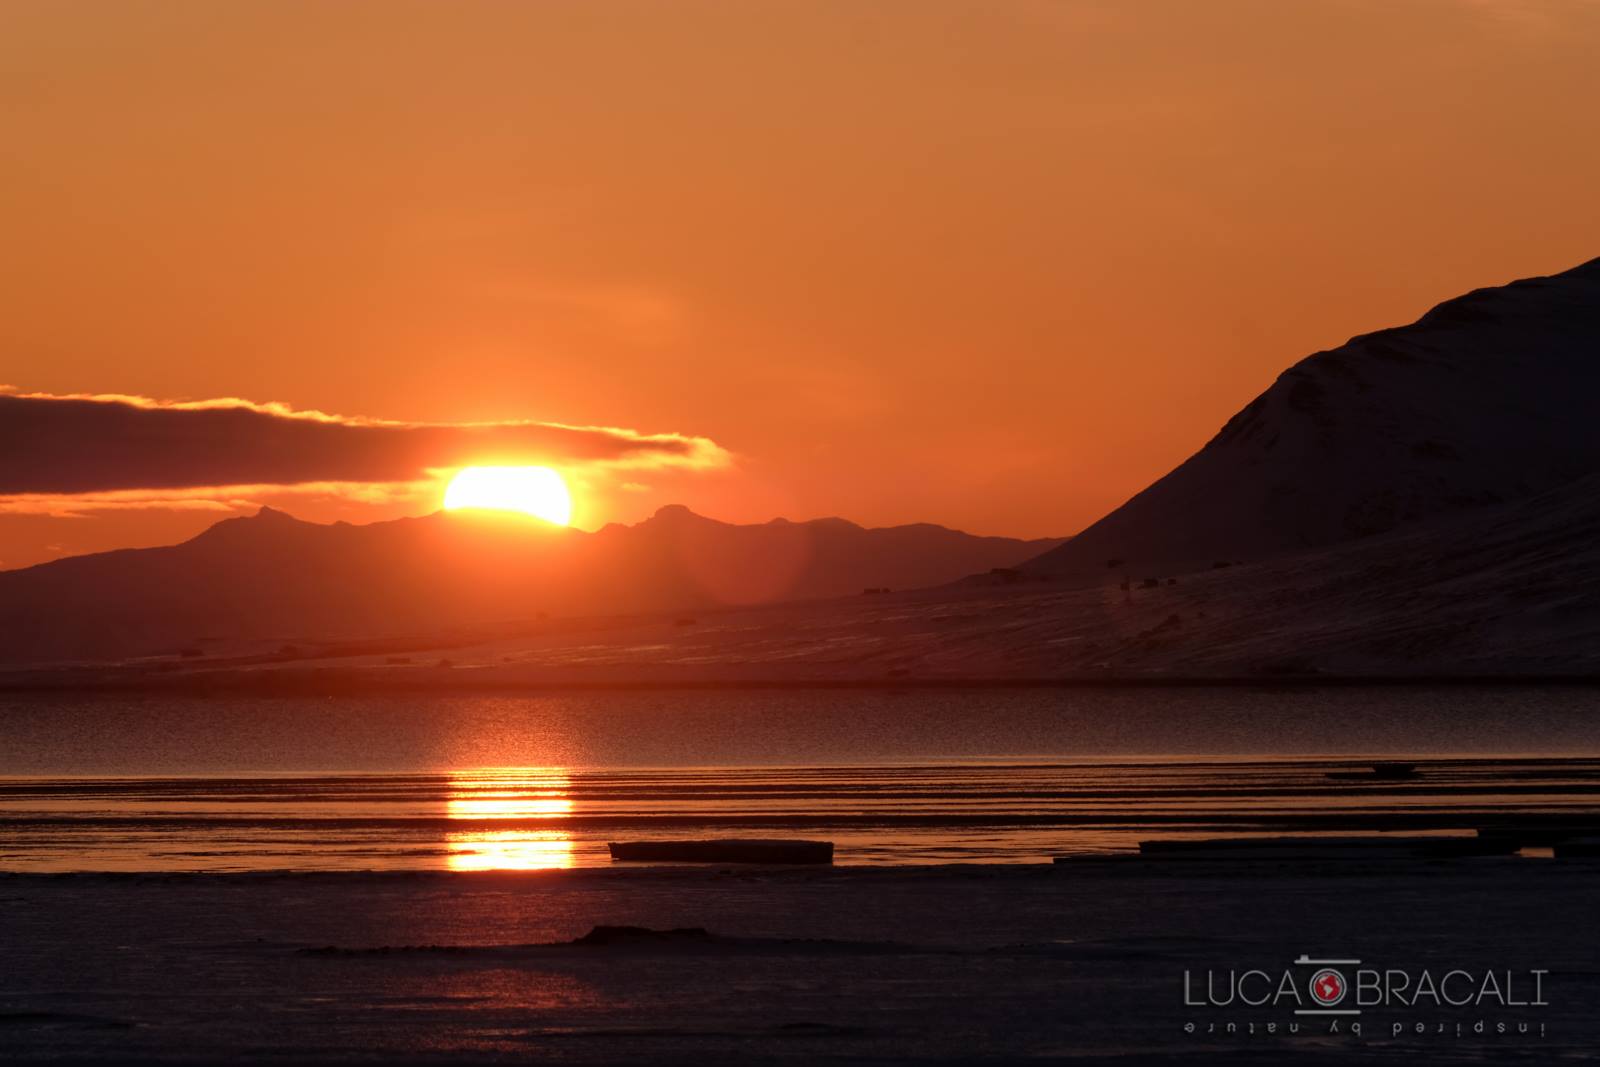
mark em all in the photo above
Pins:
pixel 731 850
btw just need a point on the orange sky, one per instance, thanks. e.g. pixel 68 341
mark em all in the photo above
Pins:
pixel 993 265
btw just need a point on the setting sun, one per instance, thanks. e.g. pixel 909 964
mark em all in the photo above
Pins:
pixel 536 491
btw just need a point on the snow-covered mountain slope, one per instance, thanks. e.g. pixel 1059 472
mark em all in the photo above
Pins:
pixel 1491 397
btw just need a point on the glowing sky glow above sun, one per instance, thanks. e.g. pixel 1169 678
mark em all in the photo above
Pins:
pixel 994 266
pixel 536 491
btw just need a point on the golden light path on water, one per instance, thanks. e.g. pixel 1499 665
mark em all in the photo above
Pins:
pixel 485 795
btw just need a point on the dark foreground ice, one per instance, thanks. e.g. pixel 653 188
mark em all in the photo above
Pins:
pixel 1083 961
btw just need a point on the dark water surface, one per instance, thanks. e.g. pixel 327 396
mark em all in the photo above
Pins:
pixel 916 776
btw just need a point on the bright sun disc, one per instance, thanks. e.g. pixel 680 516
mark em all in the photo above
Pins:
pixel 536 491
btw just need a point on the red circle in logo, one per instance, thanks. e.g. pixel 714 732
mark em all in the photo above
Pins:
pixel 1327 987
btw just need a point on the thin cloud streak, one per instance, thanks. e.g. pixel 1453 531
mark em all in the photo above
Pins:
pixel 227 498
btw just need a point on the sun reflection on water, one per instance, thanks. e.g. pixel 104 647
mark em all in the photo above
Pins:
pixel 479 796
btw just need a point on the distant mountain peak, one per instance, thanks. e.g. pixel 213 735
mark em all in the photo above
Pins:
pixel 262 522
pixel 257 577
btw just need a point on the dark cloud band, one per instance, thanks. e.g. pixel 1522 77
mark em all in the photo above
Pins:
pixel 88 444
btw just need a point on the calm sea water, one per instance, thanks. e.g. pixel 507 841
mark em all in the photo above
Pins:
pixel 485 782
